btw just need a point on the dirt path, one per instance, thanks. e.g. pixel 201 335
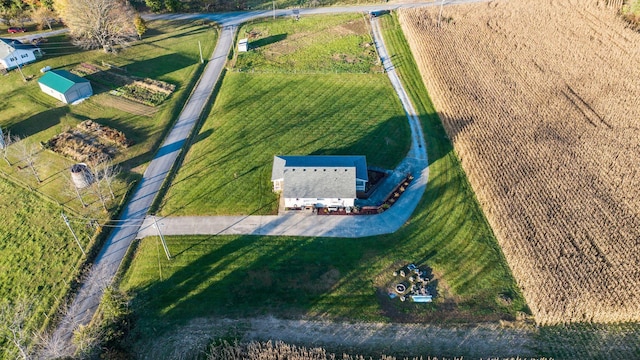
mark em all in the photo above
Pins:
pixel 478 341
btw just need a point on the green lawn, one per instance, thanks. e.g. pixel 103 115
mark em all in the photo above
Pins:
pixel 39 257
pixel 169 52
pixel 276 102
pixel 324 44
pixel 257 116
pixel 242 276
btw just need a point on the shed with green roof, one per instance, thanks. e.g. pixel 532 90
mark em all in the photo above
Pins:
pixel 65 86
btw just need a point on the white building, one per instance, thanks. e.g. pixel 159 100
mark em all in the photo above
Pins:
pixel 65 86
pixel 319 181
pixel 243 45
pixel 14 53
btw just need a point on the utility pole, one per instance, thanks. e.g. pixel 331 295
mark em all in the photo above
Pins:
pixel 274 9
pixel 66 221
pixel 164 244
pixel 200 47
pixel 20 70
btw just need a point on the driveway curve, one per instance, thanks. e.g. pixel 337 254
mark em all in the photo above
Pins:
pixel 133 218
pixel 304 224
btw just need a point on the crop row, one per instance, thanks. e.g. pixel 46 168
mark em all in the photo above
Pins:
pixel 547 133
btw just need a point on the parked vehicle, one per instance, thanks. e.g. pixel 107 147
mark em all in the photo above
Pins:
pixel 38 40
pixel 376 13
pixel 13 30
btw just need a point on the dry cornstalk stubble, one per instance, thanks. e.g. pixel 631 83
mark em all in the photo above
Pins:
pixel 542 102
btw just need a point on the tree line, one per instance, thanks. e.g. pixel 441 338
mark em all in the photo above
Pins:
pixel 93 24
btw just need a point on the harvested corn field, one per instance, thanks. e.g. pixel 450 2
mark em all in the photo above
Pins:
pixel 542 103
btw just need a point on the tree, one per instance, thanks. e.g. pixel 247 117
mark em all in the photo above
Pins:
pixel 172 5
pixel 43 16
pixel 73 190
pixel 94 24
pixel 28 154
pixel 154 5
pixel 140 24
pixel 13 325
pixel 13 10
pixel 107 173
pixel 5 11
pixel 5 141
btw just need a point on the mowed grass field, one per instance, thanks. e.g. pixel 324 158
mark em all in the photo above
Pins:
pixel 338 106
pixel 318 278
pixel 169 52
pixel 38 256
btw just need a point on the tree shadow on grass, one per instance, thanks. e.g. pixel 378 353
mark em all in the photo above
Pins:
pixel 161 65
pixel 203 135
pixel 267 41
pixel 39 122
pixel 247 276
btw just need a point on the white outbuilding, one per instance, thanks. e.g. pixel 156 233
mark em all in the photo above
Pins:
pixel 65 86
pixel 243 45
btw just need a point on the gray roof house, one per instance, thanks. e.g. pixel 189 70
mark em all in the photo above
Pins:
pixel 14 53
pixel 65 86
pixel 319 181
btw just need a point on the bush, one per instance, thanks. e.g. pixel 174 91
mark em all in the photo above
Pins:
pixel 154 5
pixel 172 5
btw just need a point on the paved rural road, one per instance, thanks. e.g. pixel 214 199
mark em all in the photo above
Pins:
pixel 108 261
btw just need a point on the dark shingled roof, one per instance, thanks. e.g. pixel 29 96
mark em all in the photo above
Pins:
pixel 7 46
pixel 319 161
pixel 321 176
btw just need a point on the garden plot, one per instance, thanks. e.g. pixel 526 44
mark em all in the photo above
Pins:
pixel 141 90
pixel 89 142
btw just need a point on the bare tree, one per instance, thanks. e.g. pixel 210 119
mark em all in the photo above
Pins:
pixel 5 141
pixel 28 154
pixel 53 345
pixel 43 16
pixel 94 24
pixel 72 335
pixel 106 172
pixel 97 190
pixel 13 325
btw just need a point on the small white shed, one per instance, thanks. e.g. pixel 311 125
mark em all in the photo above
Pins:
pixel 243 45
pixel 65 86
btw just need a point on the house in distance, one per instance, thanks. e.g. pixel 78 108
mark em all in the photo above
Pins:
pixel 14 53
pixel 65 86
pixel 319 181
